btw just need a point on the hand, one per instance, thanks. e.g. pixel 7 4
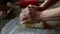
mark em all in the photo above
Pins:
pixel 29 17
pixel 25 17
pixel 34 12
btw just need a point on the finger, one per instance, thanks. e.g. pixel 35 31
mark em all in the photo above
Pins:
pixel 25 17
pixel 30 5
pixel 28 21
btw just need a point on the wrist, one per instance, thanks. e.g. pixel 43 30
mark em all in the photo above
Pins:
pixel 41 9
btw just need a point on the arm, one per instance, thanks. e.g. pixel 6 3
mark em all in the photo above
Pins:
pixel 48 3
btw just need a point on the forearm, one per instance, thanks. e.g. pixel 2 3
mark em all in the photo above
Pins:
pixel 48 3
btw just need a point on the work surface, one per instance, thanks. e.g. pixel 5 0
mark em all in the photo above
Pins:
pixel 14 27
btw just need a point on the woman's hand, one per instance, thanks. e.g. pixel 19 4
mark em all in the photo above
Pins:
pixel 34 12
pixel 30 15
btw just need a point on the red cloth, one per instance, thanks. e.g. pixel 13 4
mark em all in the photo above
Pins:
pixel 25 3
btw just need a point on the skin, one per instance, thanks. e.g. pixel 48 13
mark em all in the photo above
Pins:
pixel 42 13
pixel 48 3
